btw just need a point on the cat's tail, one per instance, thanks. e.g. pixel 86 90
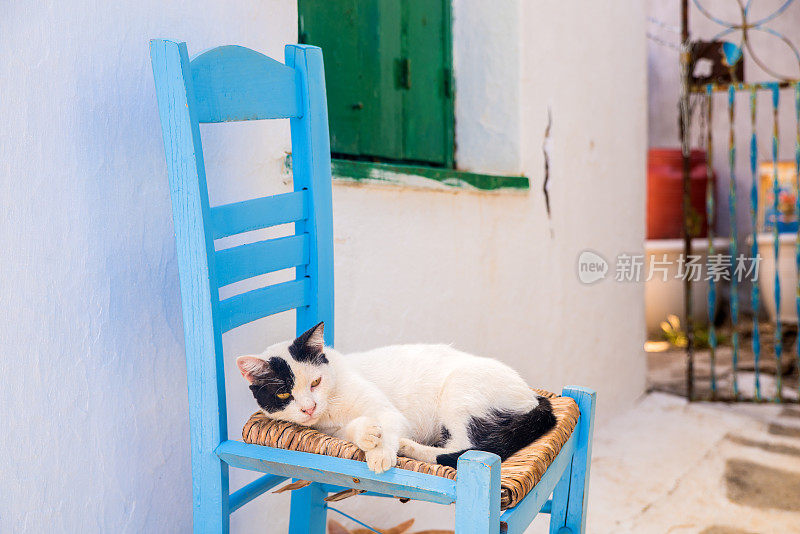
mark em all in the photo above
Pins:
pixel 504 433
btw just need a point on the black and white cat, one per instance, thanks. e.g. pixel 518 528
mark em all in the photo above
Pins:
pixel 427 402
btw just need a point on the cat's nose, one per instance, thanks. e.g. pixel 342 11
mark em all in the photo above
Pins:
pixel 309 411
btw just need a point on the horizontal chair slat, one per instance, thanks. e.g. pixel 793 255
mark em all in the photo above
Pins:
pixel 233 83
pixel 258 213
pixel 245 261
pixel 249 492
pixel 258 303
pixel 337 471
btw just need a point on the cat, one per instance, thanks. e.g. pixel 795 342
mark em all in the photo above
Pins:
pixel 427 402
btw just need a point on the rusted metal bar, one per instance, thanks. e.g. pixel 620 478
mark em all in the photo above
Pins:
pixel 712 285
pixel 734 244
pixel 776 240
pixel 797 213
pixel 754 294
pixel 683 126
pixel 723 87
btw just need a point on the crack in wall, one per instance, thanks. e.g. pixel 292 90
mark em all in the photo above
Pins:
pixel 547 145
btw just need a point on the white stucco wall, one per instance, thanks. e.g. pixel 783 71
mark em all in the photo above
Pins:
pixel 93 402
pixel 96 433
pixel 486 64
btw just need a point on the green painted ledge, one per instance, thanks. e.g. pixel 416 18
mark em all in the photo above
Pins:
pixel 423 177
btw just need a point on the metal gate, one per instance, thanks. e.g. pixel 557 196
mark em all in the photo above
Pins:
pixel 721 89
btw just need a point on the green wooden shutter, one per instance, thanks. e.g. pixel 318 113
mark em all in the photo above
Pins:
pixel 427 99
pixel 387 66
pixel 381 118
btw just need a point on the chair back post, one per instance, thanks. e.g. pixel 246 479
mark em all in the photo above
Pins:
pixel 233 83
pixel 199 293
pixel 311 170
pixel 571 494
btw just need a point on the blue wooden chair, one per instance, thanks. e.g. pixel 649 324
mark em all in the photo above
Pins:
pixel 232 83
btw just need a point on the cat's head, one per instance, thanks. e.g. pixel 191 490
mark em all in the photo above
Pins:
pixel 291 381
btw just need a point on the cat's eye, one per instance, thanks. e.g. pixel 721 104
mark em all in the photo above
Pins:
pixel 283 396
pixel 316 382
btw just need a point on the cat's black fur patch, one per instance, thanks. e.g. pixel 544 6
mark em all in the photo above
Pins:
pixel 504 433
pixel 278 378
pixel 444 437
pixel 302 351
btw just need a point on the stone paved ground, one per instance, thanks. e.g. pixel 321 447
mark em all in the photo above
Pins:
pixel 667 466
pixel 667 373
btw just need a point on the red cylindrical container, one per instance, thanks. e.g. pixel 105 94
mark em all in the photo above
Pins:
pixel 665 191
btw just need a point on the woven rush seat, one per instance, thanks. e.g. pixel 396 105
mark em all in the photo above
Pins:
pixel 518 474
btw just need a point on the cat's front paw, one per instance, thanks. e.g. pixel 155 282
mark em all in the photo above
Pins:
pixel 380 459
pixel 411 449
pixel 407 448
pixel 369 438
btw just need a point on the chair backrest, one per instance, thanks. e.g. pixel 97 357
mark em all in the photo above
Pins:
pixel 233 83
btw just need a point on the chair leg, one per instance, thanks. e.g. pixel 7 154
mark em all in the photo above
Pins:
pixel 478 493
pixel 570 498
pixel 308 510
pixel 211 493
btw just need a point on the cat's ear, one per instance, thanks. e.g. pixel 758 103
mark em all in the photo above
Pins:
pixel 309 345
pixel 252 367
pixel 313 339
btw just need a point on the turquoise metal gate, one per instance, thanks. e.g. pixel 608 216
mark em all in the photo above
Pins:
pixel 774 207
